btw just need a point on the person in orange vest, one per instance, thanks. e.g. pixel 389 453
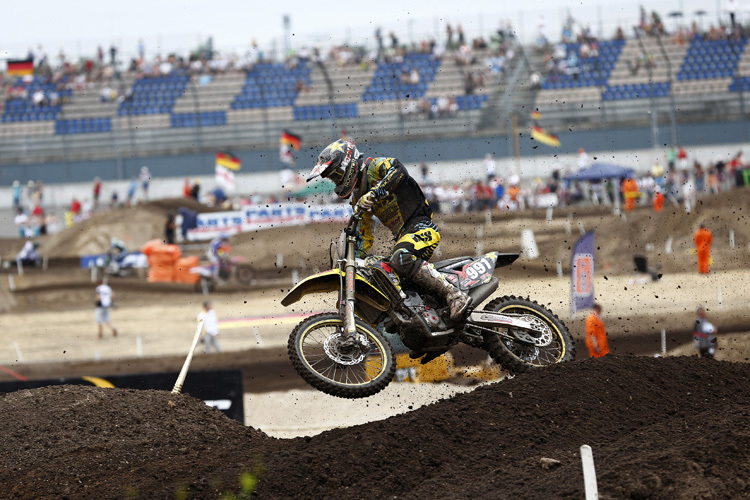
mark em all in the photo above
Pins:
pixel 596 334
pixel 658 199
pixel 630 193
pixel 703 239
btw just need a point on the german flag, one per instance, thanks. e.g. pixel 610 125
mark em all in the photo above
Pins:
pixel 290 139
pixel 543 136
pixel 20 67
pixel 228 160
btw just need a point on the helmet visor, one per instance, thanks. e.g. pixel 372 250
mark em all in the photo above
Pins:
pixel 318 170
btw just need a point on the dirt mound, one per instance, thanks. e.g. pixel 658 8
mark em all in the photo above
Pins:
pixel 660 428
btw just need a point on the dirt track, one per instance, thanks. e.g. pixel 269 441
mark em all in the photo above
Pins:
pixel 660 428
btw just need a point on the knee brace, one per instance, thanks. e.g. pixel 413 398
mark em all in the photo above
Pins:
pixel 405 264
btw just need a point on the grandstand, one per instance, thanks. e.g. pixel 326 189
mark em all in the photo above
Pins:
pixel 625 82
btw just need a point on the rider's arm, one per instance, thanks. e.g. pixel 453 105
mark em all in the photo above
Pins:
pixel 391 172
pixel 364 236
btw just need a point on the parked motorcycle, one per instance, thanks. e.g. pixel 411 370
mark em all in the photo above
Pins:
pixel 347 354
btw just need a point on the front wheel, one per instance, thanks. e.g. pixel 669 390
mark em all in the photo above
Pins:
pixel 319 354
pixel 516 355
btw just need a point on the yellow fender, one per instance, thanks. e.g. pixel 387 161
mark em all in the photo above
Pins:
pixel 329 281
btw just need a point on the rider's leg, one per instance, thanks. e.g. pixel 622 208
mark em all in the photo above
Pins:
pixel 409 261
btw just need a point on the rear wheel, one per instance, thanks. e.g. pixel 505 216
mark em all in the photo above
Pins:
pixel 244 274
pixel 319 354
pixel 516 355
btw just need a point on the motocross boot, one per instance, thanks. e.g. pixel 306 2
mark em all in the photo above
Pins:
pixel 429 279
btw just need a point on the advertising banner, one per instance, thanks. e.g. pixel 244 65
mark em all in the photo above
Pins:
pixel 582 274
pixel 255 217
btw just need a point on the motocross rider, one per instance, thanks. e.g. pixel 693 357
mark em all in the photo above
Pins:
pixel 382 187
pixel 218 251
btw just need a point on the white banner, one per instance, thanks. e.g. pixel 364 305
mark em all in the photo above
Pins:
pixel 256 217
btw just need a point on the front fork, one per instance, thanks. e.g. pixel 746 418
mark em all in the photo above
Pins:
pixel 346 301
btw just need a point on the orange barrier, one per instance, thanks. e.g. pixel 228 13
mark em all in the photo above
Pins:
pixel 182 272
pixel 162 260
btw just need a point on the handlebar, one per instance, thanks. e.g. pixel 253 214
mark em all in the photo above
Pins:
pixel 351 226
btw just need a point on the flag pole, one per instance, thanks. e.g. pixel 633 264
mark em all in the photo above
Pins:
pixel 516 147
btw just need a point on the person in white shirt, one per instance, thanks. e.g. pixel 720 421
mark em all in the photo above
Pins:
pixel 104 299
pixel 211 327
pixel 490 167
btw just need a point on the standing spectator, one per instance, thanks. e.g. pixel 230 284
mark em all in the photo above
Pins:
pixel 682 156
pixel 21 220
pixel 425 170
pixel 704 335
pixel 732 9
pixel 97 191
pixel 186 188
pixel 596 334
pixel 132 188
pixel 211 327
pixel 196 190
pixel 28 256
pixel 169 228
pixel 104 300
pixel 630 193
pixel 703 239
pixel 145 179
pixel 583 159
pixel 658 199
pixel 75 206
pixel 671 157
pixel 490 167
pixel 17 190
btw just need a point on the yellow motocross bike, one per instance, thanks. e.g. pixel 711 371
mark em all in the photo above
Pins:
pixel 347 353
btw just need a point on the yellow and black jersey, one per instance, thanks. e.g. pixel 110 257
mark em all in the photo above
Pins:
pixel 400 200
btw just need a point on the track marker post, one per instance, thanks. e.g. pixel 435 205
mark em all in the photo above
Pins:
pixel 559 269
pixel 663 342
pixel 258 340
pixel 589 473
pixel 19 354
pixel 183 373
